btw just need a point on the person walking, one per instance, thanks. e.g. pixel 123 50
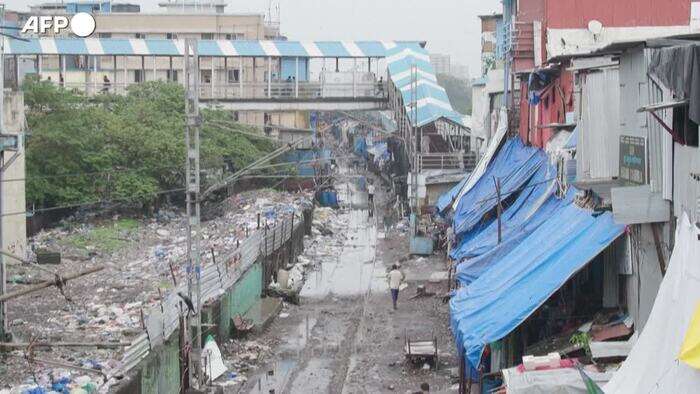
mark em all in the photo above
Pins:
pixel 449 240
pixel 370 198
pixel 396 277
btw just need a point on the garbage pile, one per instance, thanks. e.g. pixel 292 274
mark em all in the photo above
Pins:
pixel 144 260
pixel 246 357
pixel 59 381
pixel 327 238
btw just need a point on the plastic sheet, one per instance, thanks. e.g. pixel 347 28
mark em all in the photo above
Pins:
pixel 480 248
pixel 446 199
pixel 515 285
pixel 494 145
pixel 513 167
pixel 653 366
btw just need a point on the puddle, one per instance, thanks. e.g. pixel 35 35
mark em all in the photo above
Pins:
pixel 314 378
pixel 297 339
pixel 272 378
pixel 354 271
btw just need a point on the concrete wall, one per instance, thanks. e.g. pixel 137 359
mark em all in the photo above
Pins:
pixel 686 187
pixel 14 227
pixel 160 372
pixel 238 300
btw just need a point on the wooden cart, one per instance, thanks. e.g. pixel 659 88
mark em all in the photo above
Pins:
pixel 421 349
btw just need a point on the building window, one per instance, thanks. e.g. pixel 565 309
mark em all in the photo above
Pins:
pixel 233 76
pixel 172 75
pixel 138 76
pixel 104 35
pixel 235 116
pixel 139 35
pixel 207 36
pixel 234 36
pixel 171 36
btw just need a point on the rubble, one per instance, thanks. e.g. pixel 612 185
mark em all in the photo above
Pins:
pixel 143 259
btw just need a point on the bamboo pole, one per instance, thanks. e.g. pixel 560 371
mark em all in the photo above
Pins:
pixel 99 345
pixel 49 283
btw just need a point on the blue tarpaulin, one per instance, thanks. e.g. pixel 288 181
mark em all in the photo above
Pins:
pixel 360 146
pixel 573 140
pixel 379 150
pixel 446 199
pixel 479 248
pixel 516 284
pixel 513 167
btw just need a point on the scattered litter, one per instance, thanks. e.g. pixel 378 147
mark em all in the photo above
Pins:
pixel 212 363
pixel 144 258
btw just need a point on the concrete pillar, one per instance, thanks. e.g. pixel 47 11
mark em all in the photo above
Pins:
pixel 354 81
pixel 114 73
pixel 155 71
pixel 38 66
pixel 213 77
pixel 94 76
pixel 62 74
pixel 269 77
pixel 296 79
pixel 126 72
pixel 240 77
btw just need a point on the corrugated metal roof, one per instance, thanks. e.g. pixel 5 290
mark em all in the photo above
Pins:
pixel 162 47
pixel 431 98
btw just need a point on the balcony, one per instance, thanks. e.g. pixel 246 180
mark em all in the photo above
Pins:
pixel 447 161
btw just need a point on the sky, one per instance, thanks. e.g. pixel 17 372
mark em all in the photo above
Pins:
pixel 449 26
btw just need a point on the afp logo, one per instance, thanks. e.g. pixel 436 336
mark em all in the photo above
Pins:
pixel 81 24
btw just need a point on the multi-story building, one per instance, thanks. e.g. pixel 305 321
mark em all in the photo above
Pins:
pixel 180 20
pixel 491 45
pixel 441 62
pixel 487 89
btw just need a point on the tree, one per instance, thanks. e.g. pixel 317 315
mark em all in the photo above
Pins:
pixel 112 147
pixel 459 92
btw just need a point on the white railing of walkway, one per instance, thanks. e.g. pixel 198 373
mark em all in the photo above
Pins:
pixel 253 90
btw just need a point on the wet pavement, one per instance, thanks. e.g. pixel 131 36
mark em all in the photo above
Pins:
pixel 344 337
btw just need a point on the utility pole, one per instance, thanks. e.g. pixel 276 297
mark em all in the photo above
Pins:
pixel 415 140
pixel 3 271
pixel 499 207
pixel 194 258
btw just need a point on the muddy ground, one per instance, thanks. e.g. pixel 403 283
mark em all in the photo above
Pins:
pixel 344 337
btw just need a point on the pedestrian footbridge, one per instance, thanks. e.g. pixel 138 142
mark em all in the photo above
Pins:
pixel 241 75
pixel 269 76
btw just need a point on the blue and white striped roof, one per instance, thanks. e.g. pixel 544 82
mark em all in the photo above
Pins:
pixel 432 100
pixel 220 48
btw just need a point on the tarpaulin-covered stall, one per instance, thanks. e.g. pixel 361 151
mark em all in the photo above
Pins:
pixel 446 199
pixel 513 167
pixel 516 284
pixel 655 364
pixel 482 165
pixel 480 248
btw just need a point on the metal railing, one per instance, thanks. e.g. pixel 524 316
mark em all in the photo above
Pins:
pixel 162 320
pixel 447 161
pixel 252 90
